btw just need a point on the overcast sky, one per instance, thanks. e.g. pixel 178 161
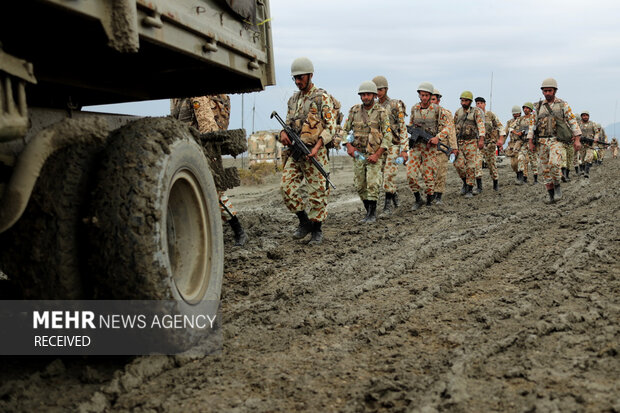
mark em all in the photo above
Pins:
pixel 503 48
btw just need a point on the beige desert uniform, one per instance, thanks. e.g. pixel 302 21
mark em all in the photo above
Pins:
pixel 396 113
pixel 207 114
pixel 589 130
pixel 494 129
pixel 371 129
pixel 312 116
pixel 526 156
pixel 603 139
pixel 469 127
pixel 514 142
pixel 614 148
pixel 442 158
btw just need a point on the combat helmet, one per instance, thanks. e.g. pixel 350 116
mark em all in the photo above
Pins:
pixel 426 87
pixel 516 109
pixel 301 66
pixel 367 86
pixel 467 95
pixel 380 81
pixel 585 112
pixel 549 82
pixel 528 105
pixel 436 93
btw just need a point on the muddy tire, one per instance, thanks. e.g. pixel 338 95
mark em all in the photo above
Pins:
pixel 156 230
pixel 43 252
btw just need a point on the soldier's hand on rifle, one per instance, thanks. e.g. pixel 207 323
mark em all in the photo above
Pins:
pixel 433 142
pixel 350 150
pixel 481 142
pixel 284 138
pixel 577 143
pixel 312 153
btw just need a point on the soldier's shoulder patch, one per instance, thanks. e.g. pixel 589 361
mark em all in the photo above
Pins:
pixel 401 115
pixel 328 115
pixel 195 104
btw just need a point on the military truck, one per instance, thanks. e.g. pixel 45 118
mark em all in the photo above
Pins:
pixel 110 206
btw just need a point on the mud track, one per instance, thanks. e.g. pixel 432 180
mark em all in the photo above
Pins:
pixel 499 303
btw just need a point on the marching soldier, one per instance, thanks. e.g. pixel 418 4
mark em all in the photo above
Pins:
pixel 400 144
pixel 372 137
pixel 311 114
pixel 602 138
pixel 526 157
pixel 588 130
pixel 555 122
pixel 614 148
pixel 514 141
pixel 442 158
pixel 470 134
pixel 208 114
pixel 494 137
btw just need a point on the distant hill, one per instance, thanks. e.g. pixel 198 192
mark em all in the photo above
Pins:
pixel 609 129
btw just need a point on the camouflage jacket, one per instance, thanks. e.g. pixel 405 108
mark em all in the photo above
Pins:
pixel 545 123
pixel 396 112
pixel 588 129
pixel 312 116
pixel 371 128
pixel 527 123
pixel 433 120
pixel 469 123
pixel 512 125
pixel 493 127
pixel 205 113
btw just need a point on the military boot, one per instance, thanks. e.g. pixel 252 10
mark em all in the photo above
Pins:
pixel 536 178
pixel 305 225
pixel 586 171
pixel 478 188
pixel 418 201
pixel 470 191
pixel 519 180
pixel 524 179
pixel 576 171
pixel 567 175
pixel 387 206
pixel 582 168
pixel 367 207
pixel 317 234
pixel 496 185
pixel 550 194
pixel 240 236
pixel 395 199
pixel 563 174
pixel 557 191
pixel 429 199
pixel 464 188
pixel 438 200
pixel 372 213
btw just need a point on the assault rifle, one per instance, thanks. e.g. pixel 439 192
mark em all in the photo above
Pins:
pixel 591 141
pixel 299 149
pixel 418 135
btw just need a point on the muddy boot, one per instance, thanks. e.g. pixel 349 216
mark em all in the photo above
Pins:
pixel 557 191
pixel 387 206
pixel 418 201
pixel 524 179
pixel 317 234
pixel 367 207
pixel 519 180
pixel 438 198
pixel 469 191
pixel 586 171
pixel 372 213
pixel 582 168
pixel 550 194
pixel 429 199
pixel 567 175
pixel 496 185
pixel 305 225
pixel 576 171
pixel 464 188
pixel 240 236
pixel 477 189
pixel 563 174
pixel 395 199
pixel 536 178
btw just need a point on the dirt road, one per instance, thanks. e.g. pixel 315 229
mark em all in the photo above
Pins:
pixel 498 303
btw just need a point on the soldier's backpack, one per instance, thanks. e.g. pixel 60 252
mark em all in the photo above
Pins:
pixel 337 138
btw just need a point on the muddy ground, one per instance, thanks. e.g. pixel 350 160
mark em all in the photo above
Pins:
pixel 498 303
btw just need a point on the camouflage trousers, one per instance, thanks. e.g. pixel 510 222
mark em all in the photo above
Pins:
pixel 512 152
pixel 390 170
pixel 224 200
pixel 527 158
pixel 465 162
pixel 568 153
pixel 367 178
pixel 488 155
pixel 601 153
pixel 614 152
pixel 441 172
pixel 293 174
pixel 422 160
pixel 587 154
pixel 550 151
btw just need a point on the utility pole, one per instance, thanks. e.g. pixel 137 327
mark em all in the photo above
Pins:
pixel 491 94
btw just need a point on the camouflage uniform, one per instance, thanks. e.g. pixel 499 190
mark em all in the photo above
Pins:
pixel 614 148
pixel 371 129
pixel 207 114
pixel 550 149
pixel 589 130
pixel 400 143
pixel 514 142
pixel 602 138
pixel 423 157
pixel 442 158
pixel 526 156
pixel 494 129
pixel 312 116
pixel 469 127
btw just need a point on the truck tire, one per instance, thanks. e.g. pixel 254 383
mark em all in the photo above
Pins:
pixel 43 252
pixel 156 230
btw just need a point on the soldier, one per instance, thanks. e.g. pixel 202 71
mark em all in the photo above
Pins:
pixel 442 158
pixel 208 114
pixel 602 138
pixel 400 143
pixel 555 123
pixel 614 148
pixel 494 137
pixel 588 130
pixel 372 137
pixel 312 115
pixel 514 142
pixel 470 133
pixel 526 157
